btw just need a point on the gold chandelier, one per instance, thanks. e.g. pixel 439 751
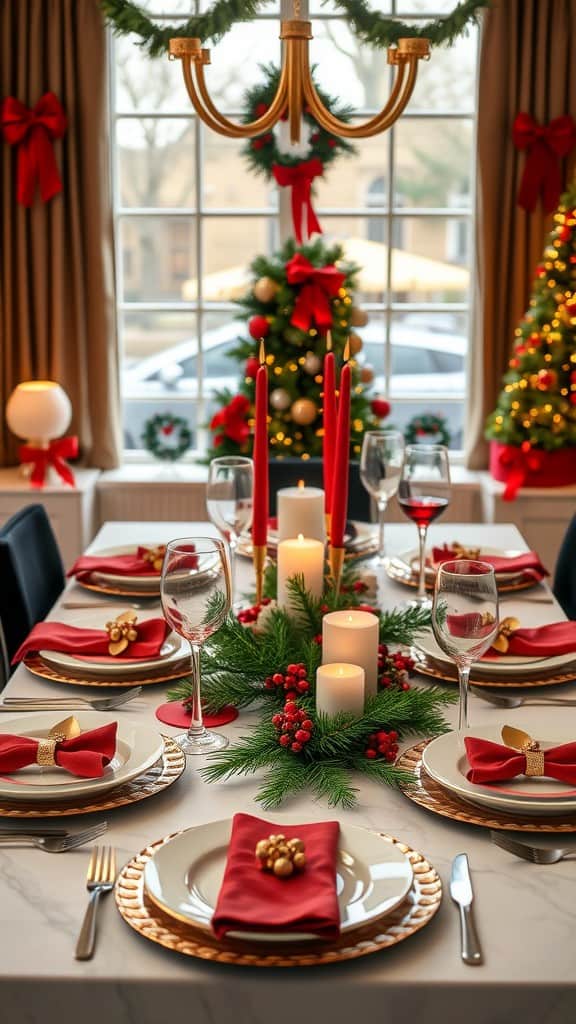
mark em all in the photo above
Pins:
pixel 296 90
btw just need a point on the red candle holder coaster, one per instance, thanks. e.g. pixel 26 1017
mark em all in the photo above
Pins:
pixel 174 713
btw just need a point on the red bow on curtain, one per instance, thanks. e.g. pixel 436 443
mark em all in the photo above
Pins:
pixel 544 145
pixel 519 461
pixel 319 286
pixel 54 455
pixel 299 178
pixel 34 131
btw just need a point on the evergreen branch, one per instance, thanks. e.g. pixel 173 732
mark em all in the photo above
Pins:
pixel 402 625
pixel 287 778
pixel 306 608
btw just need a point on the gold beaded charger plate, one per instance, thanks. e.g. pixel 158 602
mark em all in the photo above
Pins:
pixel 155 780
pixel 403 572
pixel 429 668
pixel 185 876
pixel 120 591
pixel 423 790
pixel 413 914
pixel 36 664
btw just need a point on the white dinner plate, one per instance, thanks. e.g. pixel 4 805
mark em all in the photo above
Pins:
pixel 505 665
pixel 445 760
pixel 364 541
pixel 184 877
pixel 174 649
pixel 409 559
pixel 110 579
pixel 137 749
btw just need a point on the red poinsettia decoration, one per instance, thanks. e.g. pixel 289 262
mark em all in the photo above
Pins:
pixel 232 421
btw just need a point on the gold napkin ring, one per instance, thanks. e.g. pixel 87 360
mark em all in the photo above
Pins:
pixel 534 760
pixel 45 753
pixel 460 552
pixel 121 632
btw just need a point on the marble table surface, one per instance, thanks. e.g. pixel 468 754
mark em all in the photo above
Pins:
pixel 524 912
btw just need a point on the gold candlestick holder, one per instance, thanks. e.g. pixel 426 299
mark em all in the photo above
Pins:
pixel 259 562
pixel 336 562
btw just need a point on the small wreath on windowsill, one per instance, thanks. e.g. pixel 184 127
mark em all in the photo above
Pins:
pixel 427 429
pixel 167 437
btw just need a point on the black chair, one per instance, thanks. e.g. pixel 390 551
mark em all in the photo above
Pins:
pixel 287 473
pixel 31 574
pixel 565 575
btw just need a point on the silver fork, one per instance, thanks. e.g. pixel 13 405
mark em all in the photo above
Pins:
pixel 501 701
pixel 99 879
pixel 52 843
pixel 535 854
pixel 69 703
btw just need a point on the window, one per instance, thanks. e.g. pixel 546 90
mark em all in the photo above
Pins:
pixel 190 217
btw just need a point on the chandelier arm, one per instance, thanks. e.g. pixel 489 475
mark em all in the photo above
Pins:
pixel 380 122
pixel 252 128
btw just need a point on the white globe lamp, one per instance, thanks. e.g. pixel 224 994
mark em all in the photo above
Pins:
pixel 38 411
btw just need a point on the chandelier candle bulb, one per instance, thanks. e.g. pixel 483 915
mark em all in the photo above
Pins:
pixel 340 687
pixel 302 556
pixel 301 512
pixel 351 636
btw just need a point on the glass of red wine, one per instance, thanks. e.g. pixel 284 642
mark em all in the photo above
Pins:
pixel 423 495
pixel 465 618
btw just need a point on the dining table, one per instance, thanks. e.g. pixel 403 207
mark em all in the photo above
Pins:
pixel 525 913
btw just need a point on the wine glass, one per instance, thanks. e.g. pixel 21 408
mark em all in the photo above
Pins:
pixel 229 499
pixel 465 618
pixel 196 594
pixel 423 495
pixel 380 465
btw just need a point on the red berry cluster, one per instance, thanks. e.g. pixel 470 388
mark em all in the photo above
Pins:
pixel 250 615
pixel 382 745
pixel 393 669
pixel 293 681
pixel 293 726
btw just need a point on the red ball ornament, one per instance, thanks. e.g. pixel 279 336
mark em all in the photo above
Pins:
pixel 261 109
pixel 257 143
pixel 573 377
pixel 251 368
pixel 380 407
pixel 546 379
pixel 564 233
pixel 572 398
pixel 259 327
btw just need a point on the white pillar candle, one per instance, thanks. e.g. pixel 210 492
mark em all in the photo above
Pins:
pixel 340 687
pixel 301 511
pixel 300 557
pixel 352 636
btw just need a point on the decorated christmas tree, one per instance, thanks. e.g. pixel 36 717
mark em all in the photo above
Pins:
pixel 298 295
pixel 536 411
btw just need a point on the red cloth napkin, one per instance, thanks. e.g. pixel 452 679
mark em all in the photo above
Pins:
pixel 554 638
pixel 494 762
pixel 57 636
pixel 257 901
pixel 86 755
pixel 528 563
pixel 119 565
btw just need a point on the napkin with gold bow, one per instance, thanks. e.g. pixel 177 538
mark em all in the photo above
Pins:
pixel 143 562
pixel 539 641
pixel 496 762
pixel 85 755
pixel 527 563
pixel 123 638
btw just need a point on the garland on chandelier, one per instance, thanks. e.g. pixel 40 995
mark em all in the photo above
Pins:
pixel 370 26
pixel 270 663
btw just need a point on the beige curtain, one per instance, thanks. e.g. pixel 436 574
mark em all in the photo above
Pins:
pixel 57 315
pixel 527 63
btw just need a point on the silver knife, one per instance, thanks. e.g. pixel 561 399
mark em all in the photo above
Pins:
pixel 461 893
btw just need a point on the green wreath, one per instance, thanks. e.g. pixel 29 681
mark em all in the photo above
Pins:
pixel 426 424
pixel 263 152
pixel 164 425
pixel 370 26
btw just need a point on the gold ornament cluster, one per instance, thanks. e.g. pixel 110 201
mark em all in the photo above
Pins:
pixel 155 556
pixel 281 856
pixel 121 632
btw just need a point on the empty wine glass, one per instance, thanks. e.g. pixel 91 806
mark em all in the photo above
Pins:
pixel 229 499
pixel 423 495
pixel 196 594
pixel 465 618
pixel 380 466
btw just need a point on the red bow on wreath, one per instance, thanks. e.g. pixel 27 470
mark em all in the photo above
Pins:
pixel 520 462
pixel 320 284
pixel 54 455
pixel 299 178
pixel 232 418
pixel 34 131
pixel 544 145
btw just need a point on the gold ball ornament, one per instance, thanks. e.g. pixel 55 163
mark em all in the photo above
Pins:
pixel 355 342
pixel 283 867
pixel 358 318
pixel 265 289
pixel 367 374
pixel 304 411
pixel 280 399
pixel 312 363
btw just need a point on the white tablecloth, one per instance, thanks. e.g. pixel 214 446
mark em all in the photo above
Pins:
pixel 525 913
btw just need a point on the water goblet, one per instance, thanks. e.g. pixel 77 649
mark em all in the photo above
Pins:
pixel 423 495
pixel 196 594
pixel 229 500
pixel 380 466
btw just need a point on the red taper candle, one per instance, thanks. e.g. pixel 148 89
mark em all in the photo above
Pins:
pixel 341 459
pixel 329 442
pixel 261 498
